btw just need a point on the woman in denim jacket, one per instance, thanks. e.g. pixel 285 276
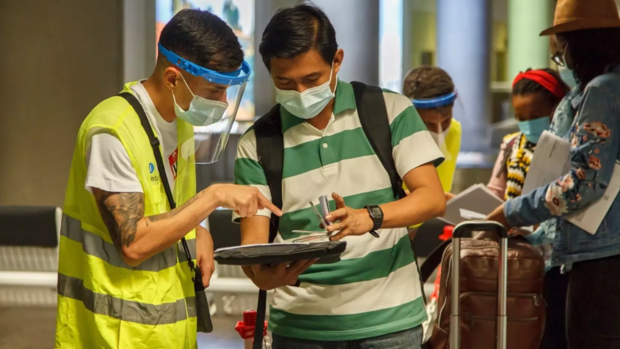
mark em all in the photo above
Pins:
pixel 589 118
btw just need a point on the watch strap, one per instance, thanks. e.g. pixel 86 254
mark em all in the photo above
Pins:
pixel 377 221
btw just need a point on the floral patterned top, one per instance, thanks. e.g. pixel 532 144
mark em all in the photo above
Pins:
pixel 560 126
pixel 589 119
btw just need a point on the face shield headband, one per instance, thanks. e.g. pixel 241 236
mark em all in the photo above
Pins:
pixel 237 77
pixel 436 102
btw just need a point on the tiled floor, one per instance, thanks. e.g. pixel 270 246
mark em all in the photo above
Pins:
pixel 224 335
pixel 27 328
pixel 33 328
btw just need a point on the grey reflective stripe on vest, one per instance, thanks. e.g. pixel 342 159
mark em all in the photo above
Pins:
pixel 96 246
pixel 142 313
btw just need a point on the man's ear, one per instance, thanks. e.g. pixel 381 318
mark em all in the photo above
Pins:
pixel 171 78
pixel 338 58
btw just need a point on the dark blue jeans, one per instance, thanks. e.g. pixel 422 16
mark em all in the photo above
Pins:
pixel 410 339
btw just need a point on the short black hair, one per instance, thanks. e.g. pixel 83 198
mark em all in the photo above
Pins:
pixel 427 82
pixel 296 30
pixel 202 38
pixel 592 52
pixel 526 86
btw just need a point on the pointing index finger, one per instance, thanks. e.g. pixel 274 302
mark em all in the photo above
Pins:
pixel 269 205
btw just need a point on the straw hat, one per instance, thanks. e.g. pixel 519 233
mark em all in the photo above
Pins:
pixel 571 15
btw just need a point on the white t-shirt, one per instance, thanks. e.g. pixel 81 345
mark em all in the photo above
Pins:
pixel 109 166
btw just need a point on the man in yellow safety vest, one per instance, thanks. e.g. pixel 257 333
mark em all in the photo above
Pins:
pixel 123 278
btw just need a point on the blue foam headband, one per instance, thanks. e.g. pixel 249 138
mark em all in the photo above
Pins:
pixel 440 101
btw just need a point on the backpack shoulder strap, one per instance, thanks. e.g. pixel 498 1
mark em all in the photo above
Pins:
pixel 270 150
pixel 375 123
pixel 146 125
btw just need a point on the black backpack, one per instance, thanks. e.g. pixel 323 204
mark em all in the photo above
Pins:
pixel 270 149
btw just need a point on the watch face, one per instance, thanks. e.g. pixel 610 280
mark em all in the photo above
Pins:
pixel 376 212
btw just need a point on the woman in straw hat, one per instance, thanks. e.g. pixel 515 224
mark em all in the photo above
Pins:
pixel 588 34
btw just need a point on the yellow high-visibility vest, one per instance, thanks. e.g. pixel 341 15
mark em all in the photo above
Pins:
pixel 453 145
pixel 446 170
pixel 102 301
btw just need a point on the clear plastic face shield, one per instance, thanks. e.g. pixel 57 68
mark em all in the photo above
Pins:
pixel 213 109
pixel 436 113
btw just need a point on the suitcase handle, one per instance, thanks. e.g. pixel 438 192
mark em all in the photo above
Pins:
pixel 470 226
pixel 434 259
pixel 502 282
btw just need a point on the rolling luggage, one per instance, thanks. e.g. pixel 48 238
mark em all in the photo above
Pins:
pixel 490 297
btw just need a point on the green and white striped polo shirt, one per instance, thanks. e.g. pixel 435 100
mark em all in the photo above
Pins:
pixel 374 290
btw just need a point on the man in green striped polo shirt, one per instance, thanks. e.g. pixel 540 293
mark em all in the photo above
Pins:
pixel 372 298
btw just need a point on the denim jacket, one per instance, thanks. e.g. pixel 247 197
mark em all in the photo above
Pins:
pixel 590 121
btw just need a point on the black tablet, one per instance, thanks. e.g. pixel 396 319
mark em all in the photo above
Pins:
pixel 272 254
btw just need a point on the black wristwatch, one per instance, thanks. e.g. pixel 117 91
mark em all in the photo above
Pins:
pixel 376 214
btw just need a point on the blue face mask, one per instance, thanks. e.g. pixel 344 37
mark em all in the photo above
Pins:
pixel 533 129
pixel 202 111
pixel 568 75
pixel 309 103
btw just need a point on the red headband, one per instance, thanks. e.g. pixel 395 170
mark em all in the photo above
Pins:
pixel 546 80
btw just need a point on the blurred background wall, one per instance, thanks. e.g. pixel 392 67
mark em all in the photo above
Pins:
pixel 58 59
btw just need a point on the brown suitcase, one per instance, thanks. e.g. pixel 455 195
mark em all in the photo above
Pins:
pixel 521 316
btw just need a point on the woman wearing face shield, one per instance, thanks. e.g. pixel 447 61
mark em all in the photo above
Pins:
pixel 433 94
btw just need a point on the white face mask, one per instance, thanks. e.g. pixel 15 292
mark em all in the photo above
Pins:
pixel 440 140
pixel 309 103
pixel 202 111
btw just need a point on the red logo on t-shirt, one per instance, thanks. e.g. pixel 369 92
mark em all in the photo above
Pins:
pixel 172 159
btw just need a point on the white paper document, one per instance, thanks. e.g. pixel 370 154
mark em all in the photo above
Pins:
pixel 590 218
pixel 551 161
pixel 476 202
pixel 312 236
pixel 471 215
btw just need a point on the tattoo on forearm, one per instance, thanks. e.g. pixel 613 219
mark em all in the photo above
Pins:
pixel 158 217
pixel 121 213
